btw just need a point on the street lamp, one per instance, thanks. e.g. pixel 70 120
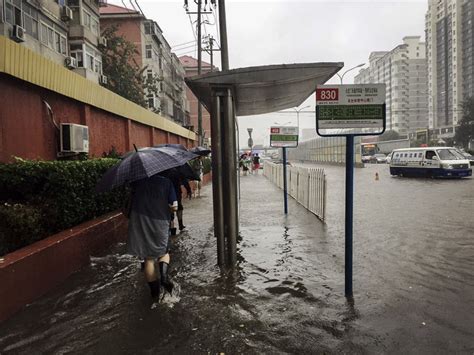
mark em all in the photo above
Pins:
pixel 250 141
pixel 348 70
pixel 298 116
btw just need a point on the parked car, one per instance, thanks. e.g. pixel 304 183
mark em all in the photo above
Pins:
pixel 468 157
pixel 378 158
pixel 366 158
pixel 280 161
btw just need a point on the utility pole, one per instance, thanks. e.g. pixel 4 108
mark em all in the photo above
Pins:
pixel 211 40
pixel 200 141
pixel 199 54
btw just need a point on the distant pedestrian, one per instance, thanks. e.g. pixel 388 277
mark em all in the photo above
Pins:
pixel 179 177
pixel 199 170
pixel 148 229
pixel 244 163
pixel 256 162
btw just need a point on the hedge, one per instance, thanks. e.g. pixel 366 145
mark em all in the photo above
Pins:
pixel 40 198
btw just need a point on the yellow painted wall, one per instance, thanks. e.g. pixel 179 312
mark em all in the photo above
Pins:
pixel 24 64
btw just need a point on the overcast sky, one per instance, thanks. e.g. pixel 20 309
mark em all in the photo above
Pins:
pixel 293 31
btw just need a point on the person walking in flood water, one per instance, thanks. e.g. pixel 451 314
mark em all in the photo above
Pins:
pixel 256 162
pixel 179 177
pixel 148 229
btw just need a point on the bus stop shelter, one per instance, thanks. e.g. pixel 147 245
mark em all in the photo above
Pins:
pixel 242 92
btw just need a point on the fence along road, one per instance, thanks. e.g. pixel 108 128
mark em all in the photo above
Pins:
pixel 306 185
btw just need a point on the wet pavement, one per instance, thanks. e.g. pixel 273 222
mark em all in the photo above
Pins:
pixel 413 280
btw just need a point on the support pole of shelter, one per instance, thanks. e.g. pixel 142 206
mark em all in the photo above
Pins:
pixel 217 173
pixel 349 213
pixel 229 160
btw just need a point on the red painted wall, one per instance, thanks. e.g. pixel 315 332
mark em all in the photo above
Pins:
pixel 27 130
pixel 30 272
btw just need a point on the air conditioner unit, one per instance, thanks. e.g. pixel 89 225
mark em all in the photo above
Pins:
pixel 18 33
pixel 103 79
pixel 70 62
pixel 66 13
pixel 74 138
pixel 102 41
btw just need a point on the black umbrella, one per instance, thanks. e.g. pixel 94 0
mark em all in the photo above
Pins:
pixel 172 145
pixel 143 164
pixel 200 151
pixel 166 145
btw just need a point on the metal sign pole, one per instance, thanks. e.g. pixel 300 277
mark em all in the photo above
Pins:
pixel 285 195
pixel 349 213
pixel 353 108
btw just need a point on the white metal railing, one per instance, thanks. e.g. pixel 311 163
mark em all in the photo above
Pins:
pixel 306 185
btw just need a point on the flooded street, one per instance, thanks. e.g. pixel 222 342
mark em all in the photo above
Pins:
pixel 413 280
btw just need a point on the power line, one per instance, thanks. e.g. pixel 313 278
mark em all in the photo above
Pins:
pixel 182 44
pixel 190 46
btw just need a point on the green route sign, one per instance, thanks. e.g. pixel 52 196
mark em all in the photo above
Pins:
pixel 283 137
pixel 353 107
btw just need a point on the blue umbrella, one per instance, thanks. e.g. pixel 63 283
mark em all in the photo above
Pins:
pixel 143 164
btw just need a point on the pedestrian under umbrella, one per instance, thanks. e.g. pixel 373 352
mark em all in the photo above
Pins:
pixel 180 176
pixel 148 229
pixel 153 196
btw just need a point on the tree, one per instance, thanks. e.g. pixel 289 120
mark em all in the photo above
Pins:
pixel 465 131
pixel 389 136
pixel 125 77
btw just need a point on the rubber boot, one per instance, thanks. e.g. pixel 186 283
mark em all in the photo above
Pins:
pixel 180 220
pixel 173 231
pixel 165 280
pixel 155 289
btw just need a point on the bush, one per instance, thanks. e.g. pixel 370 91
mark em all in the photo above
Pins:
pixel 40 198
pixel 206 165
pixel 20 225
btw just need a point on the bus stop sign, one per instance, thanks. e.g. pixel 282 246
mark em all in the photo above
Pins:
pixel 353 109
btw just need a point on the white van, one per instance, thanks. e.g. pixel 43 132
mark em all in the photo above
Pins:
pixel 429 162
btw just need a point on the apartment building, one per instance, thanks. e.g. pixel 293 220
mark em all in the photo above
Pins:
pixel 449 27
pixel 404 71
pixel 155 57
pixel 66 33
pixel 190 65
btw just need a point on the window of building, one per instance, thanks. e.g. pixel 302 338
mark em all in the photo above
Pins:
pixel 87 57
pixel 13 13
pixel 147 28
pixel 148 50
pixel 151 101
pixel 149 74
pixel 53 38
pixel 90 21
pixel 30 16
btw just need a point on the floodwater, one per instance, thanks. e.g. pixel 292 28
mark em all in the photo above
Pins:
pixel 413 280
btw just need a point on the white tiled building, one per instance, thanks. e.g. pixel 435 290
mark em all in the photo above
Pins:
pixel 403 70
pixel 449 28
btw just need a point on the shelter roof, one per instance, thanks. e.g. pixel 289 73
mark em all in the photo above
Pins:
pixel 264 89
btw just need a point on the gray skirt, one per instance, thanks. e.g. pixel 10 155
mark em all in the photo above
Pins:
pixel 147 237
